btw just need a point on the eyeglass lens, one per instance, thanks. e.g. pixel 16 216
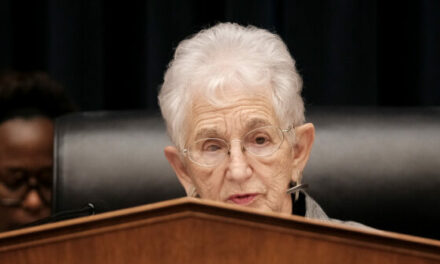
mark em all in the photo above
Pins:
pixel 15 184
pixel 259 142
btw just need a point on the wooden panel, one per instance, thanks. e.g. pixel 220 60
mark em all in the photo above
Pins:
pixel 195 231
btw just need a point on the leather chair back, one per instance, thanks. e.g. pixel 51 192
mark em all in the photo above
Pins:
pixel 111 159
pixel 377 166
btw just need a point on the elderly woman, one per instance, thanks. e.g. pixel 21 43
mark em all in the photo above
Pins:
pixel 231 99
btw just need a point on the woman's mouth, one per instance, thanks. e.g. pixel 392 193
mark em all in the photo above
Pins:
pixel 243 199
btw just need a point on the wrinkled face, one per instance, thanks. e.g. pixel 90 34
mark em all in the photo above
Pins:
pixel 241 178
pixel 25 170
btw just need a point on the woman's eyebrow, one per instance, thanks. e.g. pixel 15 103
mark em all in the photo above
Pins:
pixel 207 133
pixel 249 125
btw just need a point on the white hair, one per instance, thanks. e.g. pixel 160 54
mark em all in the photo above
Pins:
pixel 214 59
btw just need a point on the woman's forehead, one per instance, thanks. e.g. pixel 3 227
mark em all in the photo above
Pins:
pixel 240 115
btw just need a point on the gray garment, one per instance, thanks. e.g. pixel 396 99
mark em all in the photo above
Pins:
pixel 314 211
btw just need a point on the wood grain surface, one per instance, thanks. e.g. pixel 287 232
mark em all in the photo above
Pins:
pixel 189 230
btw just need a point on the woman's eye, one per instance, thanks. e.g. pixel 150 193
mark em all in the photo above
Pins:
pixel 212 148
pixel 14 179
pixel 45 177
pixel 260 140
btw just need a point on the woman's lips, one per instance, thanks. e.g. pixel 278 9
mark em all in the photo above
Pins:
pixel 243 199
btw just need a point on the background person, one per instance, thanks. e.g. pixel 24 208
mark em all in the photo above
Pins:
pixel 28 104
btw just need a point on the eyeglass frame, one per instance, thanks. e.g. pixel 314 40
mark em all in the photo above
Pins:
pixel 186 152
pixel 16 202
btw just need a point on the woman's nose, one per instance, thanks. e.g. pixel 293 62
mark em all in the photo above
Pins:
pixel 238 167
pixel 32 201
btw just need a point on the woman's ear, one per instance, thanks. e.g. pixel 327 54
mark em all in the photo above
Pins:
pixel 173 156
pixel 305 135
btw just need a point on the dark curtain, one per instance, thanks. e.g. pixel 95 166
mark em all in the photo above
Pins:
pixel 112 54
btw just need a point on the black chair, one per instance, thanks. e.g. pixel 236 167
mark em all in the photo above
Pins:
pixel 111 159
pixel 377 166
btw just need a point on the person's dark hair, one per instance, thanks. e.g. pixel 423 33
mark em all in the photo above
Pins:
pixel 32 94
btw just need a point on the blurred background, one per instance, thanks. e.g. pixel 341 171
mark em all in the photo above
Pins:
pixel 112 54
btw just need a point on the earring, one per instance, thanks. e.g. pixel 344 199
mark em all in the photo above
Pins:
pixel 192 192
pixel 298 177
pixel 298 182
pixel 295 187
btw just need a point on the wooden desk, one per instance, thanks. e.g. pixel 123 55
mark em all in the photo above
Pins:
pixel 191 230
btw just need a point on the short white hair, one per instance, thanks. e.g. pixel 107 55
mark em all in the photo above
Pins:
pixel 225 54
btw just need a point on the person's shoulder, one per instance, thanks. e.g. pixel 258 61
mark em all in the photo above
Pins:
pixel 315 211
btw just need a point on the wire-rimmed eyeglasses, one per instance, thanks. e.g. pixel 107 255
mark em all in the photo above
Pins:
pixel 261 142
pixel 13 189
